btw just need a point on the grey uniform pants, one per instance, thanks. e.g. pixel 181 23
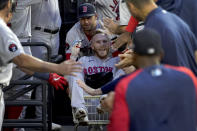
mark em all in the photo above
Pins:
pixel 2 108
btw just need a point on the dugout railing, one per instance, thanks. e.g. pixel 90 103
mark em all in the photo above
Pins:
pixel 45 122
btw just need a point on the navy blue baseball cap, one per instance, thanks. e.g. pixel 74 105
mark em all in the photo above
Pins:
pixel 86 10
pixel 147 42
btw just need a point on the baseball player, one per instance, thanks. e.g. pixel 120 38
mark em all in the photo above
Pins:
pixel 97 71
pixel 12 52
pixel 46 23
pixel 155 97
pixel 21 26
pixel 178 41
pixel 180 8
pixel 83 30
pixel 107 8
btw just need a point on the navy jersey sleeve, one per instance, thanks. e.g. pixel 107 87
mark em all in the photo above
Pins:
pixel 111 85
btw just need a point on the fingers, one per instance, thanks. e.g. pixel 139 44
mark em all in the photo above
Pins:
pixel 80 83
pixel 75 63
pixel 120 64
pixel 107 21
pixel 63 81
pixel 76 68
pixel 67 90
pixel 73 74
pixel 56 86
pixel 117 43
pixel 128 51
pixel 61 87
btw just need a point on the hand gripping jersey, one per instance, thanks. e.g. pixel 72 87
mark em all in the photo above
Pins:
pixel 91 65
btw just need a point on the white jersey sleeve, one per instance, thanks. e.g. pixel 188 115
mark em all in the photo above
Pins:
pixel 10 48
pixel 72 36
pixel 10 45
pixel 107 8
pixel 124 13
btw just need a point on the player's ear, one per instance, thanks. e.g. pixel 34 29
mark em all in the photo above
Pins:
pixel 96 16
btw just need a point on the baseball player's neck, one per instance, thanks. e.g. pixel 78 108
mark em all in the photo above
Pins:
pixel 6 13
pixel 146 61
pixel 146 10
pixel 89 32
pixel 4 17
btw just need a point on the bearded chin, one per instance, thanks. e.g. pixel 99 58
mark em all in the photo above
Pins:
pixel 101 55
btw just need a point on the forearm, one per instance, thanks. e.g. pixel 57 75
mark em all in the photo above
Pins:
pixel 95 92
pixel 42 76
pixel 121 29
pixel 31 63
pixel 111 85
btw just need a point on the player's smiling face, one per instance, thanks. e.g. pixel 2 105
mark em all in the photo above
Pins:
pixel 100 45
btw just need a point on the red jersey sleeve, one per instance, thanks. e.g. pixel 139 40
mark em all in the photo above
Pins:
pixel 120 117
pixel 132 24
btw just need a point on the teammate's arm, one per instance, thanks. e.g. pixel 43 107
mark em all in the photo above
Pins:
pixel 114 27
pixel 110 86
pixel 88 89
pixel 37 65
pixel 53 79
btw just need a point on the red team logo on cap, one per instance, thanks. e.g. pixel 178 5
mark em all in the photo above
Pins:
pixel 85 9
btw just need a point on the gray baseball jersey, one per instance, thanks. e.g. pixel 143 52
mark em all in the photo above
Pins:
pixel 21 20
pixel 91 65
pixel 46 15
pixel 124 13
pixel 107 8
pixel 76 34
pixel 10 48
pixel 46 22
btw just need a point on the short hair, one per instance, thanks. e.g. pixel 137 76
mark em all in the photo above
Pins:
pixel 100 31
pixel 3 4
pixel 139 3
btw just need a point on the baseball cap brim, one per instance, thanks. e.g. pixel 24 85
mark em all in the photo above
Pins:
pixel 86 15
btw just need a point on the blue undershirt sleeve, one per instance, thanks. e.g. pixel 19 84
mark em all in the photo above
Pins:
pixel 110 86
